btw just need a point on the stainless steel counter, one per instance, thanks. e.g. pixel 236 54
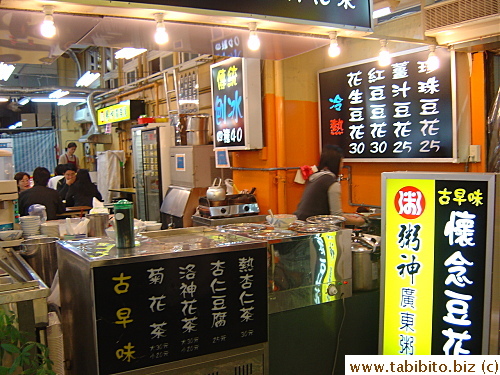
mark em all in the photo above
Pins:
pixel 180 301
pixel 199 220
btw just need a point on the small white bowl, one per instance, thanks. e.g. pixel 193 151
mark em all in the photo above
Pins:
pixel 151 227
pixel 9 235
pixel 281 220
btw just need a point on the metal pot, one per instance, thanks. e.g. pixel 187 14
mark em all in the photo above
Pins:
pixel 216 192
pixel 365 263
pixel 198 130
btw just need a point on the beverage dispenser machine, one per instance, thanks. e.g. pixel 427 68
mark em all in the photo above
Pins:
pixel 8 201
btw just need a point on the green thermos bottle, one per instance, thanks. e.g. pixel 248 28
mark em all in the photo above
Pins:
pixel 124 223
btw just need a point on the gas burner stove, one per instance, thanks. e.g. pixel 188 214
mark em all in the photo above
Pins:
pixel 233 206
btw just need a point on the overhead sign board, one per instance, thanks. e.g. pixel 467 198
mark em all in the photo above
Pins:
pixel 123 111
pixel 402 112
pixel 346 13
pixel 438 232
pixel 236 103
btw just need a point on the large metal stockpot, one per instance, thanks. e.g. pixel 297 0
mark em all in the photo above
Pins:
pixel 365 263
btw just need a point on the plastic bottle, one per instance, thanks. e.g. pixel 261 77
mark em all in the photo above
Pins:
pixel 124 224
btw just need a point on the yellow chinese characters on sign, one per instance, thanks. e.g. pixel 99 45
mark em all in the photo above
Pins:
pixel 331 251
pixel 410 216
pixel 114 113
pixel 227 78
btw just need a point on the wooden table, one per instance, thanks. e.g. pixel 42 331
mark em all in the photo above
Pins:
pixel 76 211
pixel 128 192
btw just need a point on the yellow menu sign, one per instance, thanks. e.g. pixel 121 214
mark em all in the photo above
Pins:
pixel 114 113
pixel 409 267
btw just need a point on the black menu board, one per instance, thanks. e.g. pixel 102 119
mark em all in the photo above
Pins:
pixel 237 103
pixel 401 112
pixel 459 266
pixel 155 312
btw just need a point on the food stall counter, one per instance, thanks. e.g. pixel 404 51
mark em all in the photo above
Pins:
pixel 175 303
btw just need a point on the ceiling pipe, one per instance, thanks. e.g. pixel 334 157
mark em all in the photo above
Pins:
pixel 94 129
pixel 72 54
pixel 43 90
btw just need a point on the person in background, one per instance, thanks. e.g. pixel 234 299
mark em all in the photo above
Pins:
pixel 41 194
pixel 69 157
pixel 82 192
pixel 64 183
pixel 58 174
pixel 322 193
pixel 23 181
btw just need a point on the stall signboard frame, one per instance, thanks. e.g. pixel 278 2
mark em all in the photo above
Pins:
pixel 438 242
pixel 399 113
pixel 347 14
pixel 237 104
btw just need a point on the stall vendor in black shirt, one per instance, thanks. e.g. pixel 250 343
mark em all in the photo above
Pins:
pixel 41 194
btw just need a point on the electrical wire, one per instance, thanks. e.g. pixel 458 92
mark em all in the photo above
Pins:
pixel 338 336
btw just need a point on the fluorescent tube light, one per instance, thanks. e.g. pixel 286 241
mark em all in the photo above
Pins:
pixel 68 100
pixel 87 79
pixel 58 94
pixel 24 101
pixel 18 124
pixel 128 53
pixel 6 71
pixel 381 12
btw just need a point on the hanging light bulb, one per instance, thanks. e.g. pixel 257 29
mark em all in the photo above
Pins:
pixel 253 39
pixel 432 60
pixel 334 49
pixel 161 36
pixel 384 57
pixel 47 28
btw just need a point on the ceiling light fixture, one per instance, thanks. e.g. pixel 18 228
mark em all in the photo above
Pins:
pixel 47 28
pixel 4 100
pixel 18 124
pixel 381 12
pixel 24 100
pixel 87 79
pixel 5 71
pixel 58 94
pixel 65 100
pixel 161 36
pixel 334 49
pixel 432 60
pixel 384 57
pixel 129 53
pixel 253 39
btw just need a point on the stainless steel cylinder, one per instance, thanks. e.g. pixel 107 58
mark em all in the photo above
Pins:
pixel 97 224
pixel 41 255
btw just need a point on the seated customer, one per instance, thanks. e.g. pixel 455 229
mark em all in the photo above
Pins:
pixel 58 175
pixel 41 194
pixel 64 183
pixel 82 191
pixel 23 181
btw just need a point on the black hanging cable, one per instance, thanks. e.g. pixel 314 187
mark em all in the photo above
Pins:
pixel 338 335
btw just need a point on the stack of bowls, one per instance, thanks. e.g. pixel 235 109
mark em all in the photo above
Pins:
pixel 30 225
pixel 50 229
